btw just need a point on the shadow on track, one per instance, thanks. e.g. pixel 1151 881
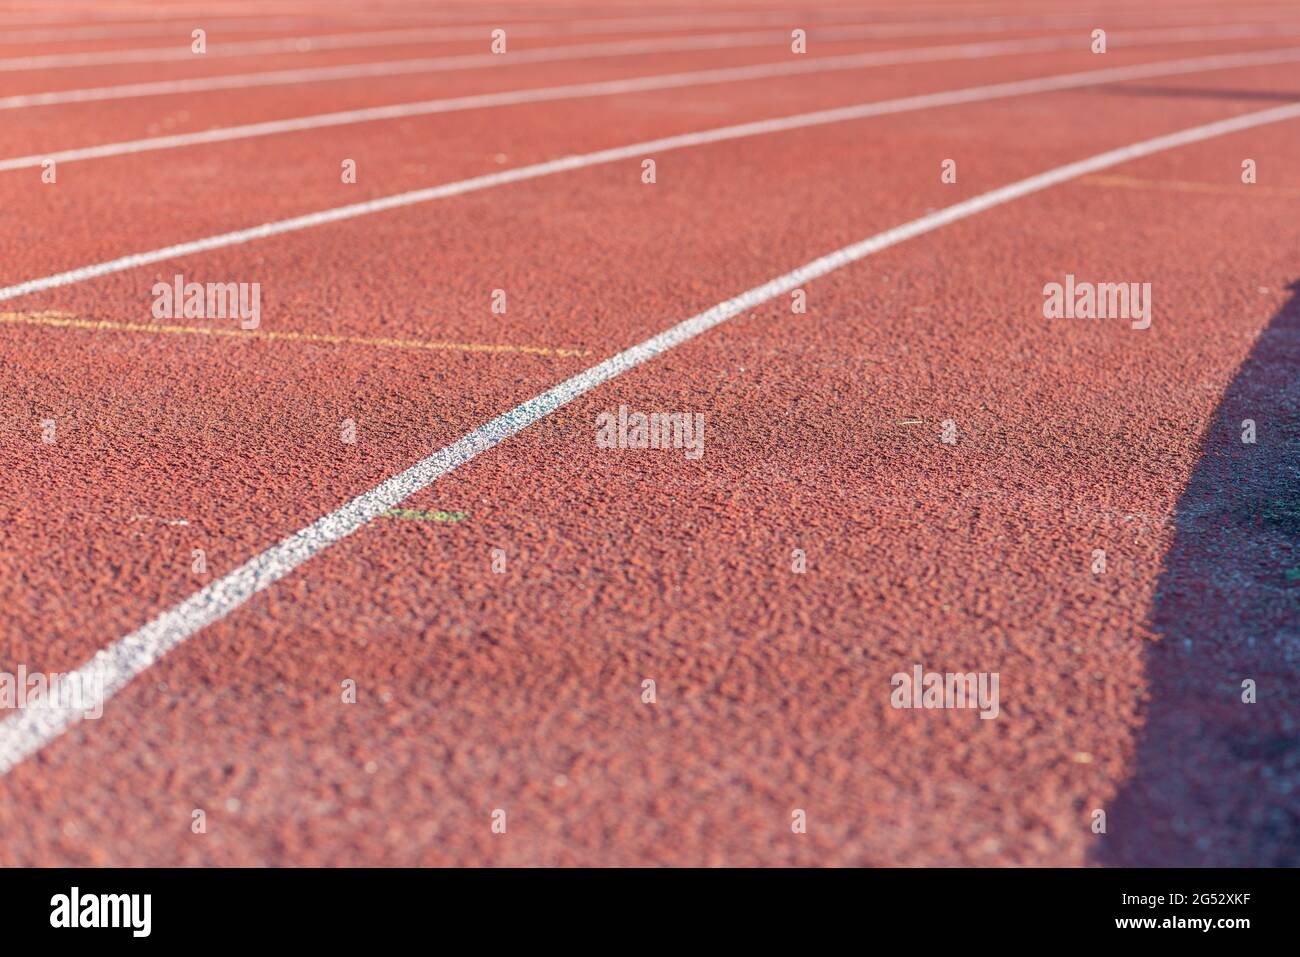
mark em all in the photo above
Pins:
pixel 1217 781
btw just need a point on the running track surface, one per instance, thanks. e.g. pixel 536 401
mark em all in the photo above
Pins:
pixel 520 687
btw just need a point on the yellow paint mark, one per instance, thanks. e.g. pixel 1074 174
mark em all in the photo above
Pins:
pixel 417 515
pixel 1187 186
pixel 70 321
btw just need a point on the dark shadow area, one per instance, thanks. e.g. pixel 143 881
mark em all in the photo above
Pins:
pixel 1195 93
pixel 1217 781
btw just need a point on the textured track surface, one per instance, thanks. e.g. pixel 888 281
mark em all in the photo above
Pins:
pixel 500 630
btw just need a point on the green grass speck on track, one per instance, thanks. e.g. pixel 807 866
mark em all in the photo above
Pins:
pixel 1284 514
pixel 417 515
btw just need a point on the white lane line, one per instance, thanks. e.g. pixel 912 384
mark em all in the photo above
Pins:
pixel 817 33
pixel 974 94
pixel 577 51
pixel 788 67
pixel 121 662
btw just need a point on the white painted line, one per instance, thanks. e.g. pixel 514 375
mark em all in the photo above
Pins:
pixel 974 94
pixel 121 662
pixel 577 51
pixel 787 67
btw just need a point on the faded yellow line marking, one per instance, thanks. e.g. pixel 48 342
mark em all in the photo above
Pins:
pixel 1188 186
pixel 418 515
pixel 70 321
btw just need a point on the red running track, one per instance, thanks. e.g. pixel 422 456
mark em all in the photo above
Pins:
pixel 520 687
